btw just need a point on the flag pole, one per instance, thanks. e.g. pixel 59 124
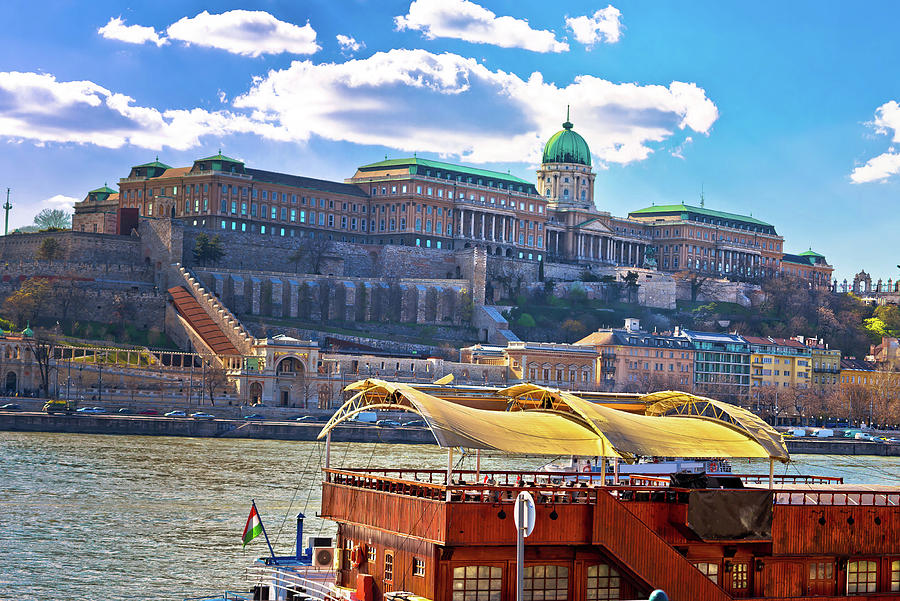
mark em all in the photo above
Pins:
pixel 272 551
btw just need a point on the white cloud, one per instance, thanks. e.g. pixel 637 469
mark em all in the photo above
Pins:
pixel 245 32
pixel 883 166
pixel 132 34
pixel 59 201
pixel 464 20
pixel 678 151
pixel 37 107
pixel 414 100
pixel 603 26
pixel 348 44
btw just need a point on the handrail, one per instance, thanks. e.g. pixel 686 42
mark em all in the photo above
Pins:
pixel 287 580
pixel 850 498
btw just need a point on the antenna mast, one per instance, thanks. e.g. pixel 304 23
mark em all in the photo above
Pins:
pixel 6 208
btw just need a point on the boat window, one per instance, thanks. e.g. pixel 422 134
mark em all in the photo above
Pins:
pixel 895 575
pixel 862 576
pixel 546 582
pixel 418 567
pixel 388 566
pixel 371 554
pixel 710 570
pixel 477 583
pixel 740 576
pixel 602 582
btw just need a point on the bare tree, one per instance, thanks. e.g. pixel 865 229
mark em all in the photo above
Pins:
pixel 42 346
pixel 214 379
pixel 696 280
pixel 310 251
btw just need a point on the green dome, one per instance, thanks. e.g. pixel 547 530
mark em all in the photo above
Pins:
pixel 566 146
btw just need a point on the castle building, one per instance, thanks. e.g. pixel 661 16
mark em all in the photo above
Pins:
pixel 434 204
pixel 97 213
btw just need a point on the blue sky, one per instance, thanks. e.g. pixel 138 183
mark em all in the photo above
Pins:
pixel 786 110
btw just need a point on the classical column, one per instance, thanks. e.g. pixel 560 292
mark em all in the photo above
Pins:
pixel 483 231
pixel 472 224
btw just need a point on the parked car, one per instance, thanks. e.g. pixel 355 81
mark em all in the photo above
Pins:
pixel 175 414
pixel 91 410
pixel 124 411
pixel 306 418
pixel 387 423
pixel 415 423
pixel 202 415
pixel 11 407
pixel 254 416
pixel 148 412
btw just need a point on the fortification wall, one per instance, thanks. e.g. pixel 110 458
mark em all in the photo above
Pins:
pixel 79 247
pixel 124 273
pixel 322 298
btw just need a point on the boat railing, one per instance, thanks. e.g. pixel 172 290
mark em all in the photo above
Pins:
pixel 288 581
pixel 840 498
pixel 503 487
pixel 788 479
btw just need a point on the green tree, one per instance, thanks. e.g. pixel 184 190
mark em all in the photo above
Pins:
pixel 208 250
pixel 53 219
pixel 49 250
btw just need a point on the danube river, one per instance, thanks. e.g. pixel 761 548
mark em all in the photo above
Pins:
pixel 90 517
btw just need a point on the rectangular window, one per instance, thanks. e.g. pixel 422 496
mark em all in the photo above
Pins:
pixel 330 220
pixel 274 213
pixel 547 582
pixel 284 213
pixel 302 216
pixel 293 214
pixel 862 576
pixel 418 567
pixel 710 570
pixel 602 582
pixel 740 576
pixel 343 222
pixel 477 583
pixel 895 575
pixel 253 209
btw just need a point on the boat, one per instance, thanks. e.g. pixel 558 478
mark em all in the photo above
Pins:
pixel 451 534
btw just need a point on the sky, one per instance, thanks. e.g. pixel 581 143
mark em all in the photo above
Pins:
pixel 784 110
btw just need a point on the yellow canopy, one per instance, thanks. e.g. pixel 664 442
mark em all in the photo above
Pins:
pixel 543 421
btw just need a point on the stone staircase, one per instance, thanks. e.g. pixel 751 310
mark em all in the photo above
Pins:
pixel 230 325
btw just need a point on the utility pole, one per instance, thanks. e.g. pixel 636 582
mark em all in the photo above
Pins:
pixel 6 208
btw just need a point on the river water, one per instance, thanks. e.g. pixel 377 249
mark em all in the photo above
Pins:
pixel 89 517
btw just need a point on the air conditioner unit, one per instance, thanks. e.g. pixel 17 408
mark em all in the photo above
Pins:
pixel 323 557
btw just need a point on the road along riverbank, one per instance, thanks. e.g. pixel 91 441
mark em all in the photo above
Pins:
pixel 205 428
pixel 33 421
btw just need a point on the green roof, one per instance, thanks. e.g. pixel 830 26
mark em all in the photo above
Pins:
pixel 447 166
pixel 811 253
pixel 567 146
pixel 220 157
pixel 103 190
pixel 155 163
pixel 683 208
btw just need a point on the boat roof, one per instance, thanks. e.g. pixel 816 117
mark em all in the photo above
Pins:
pixel 545 421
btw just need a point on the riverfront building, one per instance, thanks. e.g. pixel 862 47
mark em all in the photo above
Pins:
pixel 779 362
pixel 721 363
pixel 632 360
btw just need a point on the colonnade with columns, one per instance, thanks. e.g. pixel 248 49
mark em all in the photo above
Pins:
pixel 493 227
pixel 583 246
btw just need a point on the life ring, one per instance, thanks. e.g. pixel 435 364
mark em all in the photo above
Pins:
pixel 712 467
pixel 357 555
pixel 586 468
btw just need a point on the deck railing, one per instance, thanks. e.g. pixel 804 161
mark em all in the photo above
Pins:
pixel 842 498
pixel 494 486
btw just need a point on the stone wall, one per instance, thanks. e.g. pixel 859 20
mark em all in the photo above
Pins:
pixel 322 298
pixel 79 247
pixel 124 274
pixel 725 291
pixel 144 308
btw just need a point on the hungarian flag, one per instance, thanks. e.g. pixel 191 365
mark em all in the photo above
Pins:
pixel 253 527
